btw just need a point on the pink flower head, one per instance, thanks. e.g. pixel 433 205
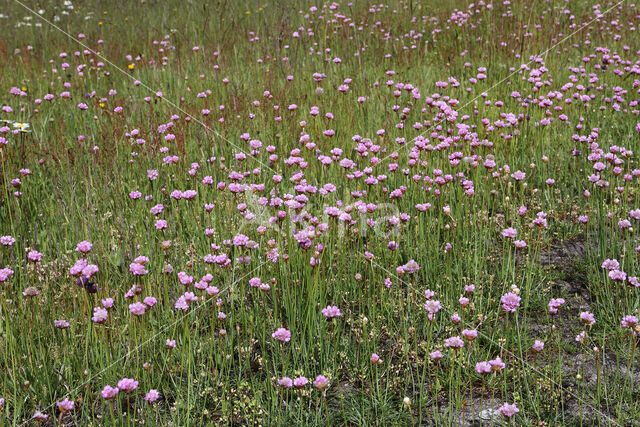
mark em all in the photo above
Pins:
pixel 617 275
pixel 152 396
pixel 470 334
pixel 496 364
pixel 285 382
pixel 436 355
pixel 34 256
pixel 629 321
pixel 66 405
pixel 137 269
pixel 99 315
pixel 150 301
pixel 555 304
pixel 411 267
pixel 84 247
pixel 137 308
pixel 432 307
pixel 519 244
pixel 39 416
pixel 282 334
pixel 89 270
pixel 588 318
pixel 483 368
pixel 331 311
pixel 7 241
pixel 127 384
pixel 518 175
pixel 510 302
pixel 610 264
pixel 509 232
pixel 300 382
pixel 109 392
pixel 5 274
pixel 454 342
pixel 508 410
pixel 321 382
pixel 538 346
pixel 61 324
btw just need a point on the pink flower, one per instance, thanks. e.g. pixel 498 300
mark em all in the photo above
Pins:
pixel 518 175
pixel 411 267
pixel 182 304
pixel 5 274
pixel 150 301
pixel 7 240
pixel 375 359
pixel 331 311
pixel 538 346
pixel 137 269
pixel 99 315
pixel 39 416
pixel 61 324
pixel 137 308
pixel 184 278
pixel 285 382
pixel 152 396
pixel 520 244
pixel 555 304
pixel 300 382
pixel 629 321
pixel 618 275
pixel 510 302
pixel 508 410
pixel 84 247
pixel 321 382
pixel 127 384
pixel 109 392
pixel 610 264
pixel 496 364
pixel 282 334
pixel 89 270
pixel 34 256
pixel 454 342
pixel 483 367
pixel 436 355
pixel 509 232
pixel 470 334
pixel 65 406
pixel 588 318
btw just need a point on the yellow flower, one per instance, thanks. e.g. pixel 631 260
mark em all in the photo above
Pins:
pixel 100 23
pixel 132 66
pixel 247 12
pixel 24 88
pixel 101 105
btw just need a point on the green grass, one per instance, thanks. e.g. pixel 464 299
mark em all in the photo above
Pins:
pixel 226 370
